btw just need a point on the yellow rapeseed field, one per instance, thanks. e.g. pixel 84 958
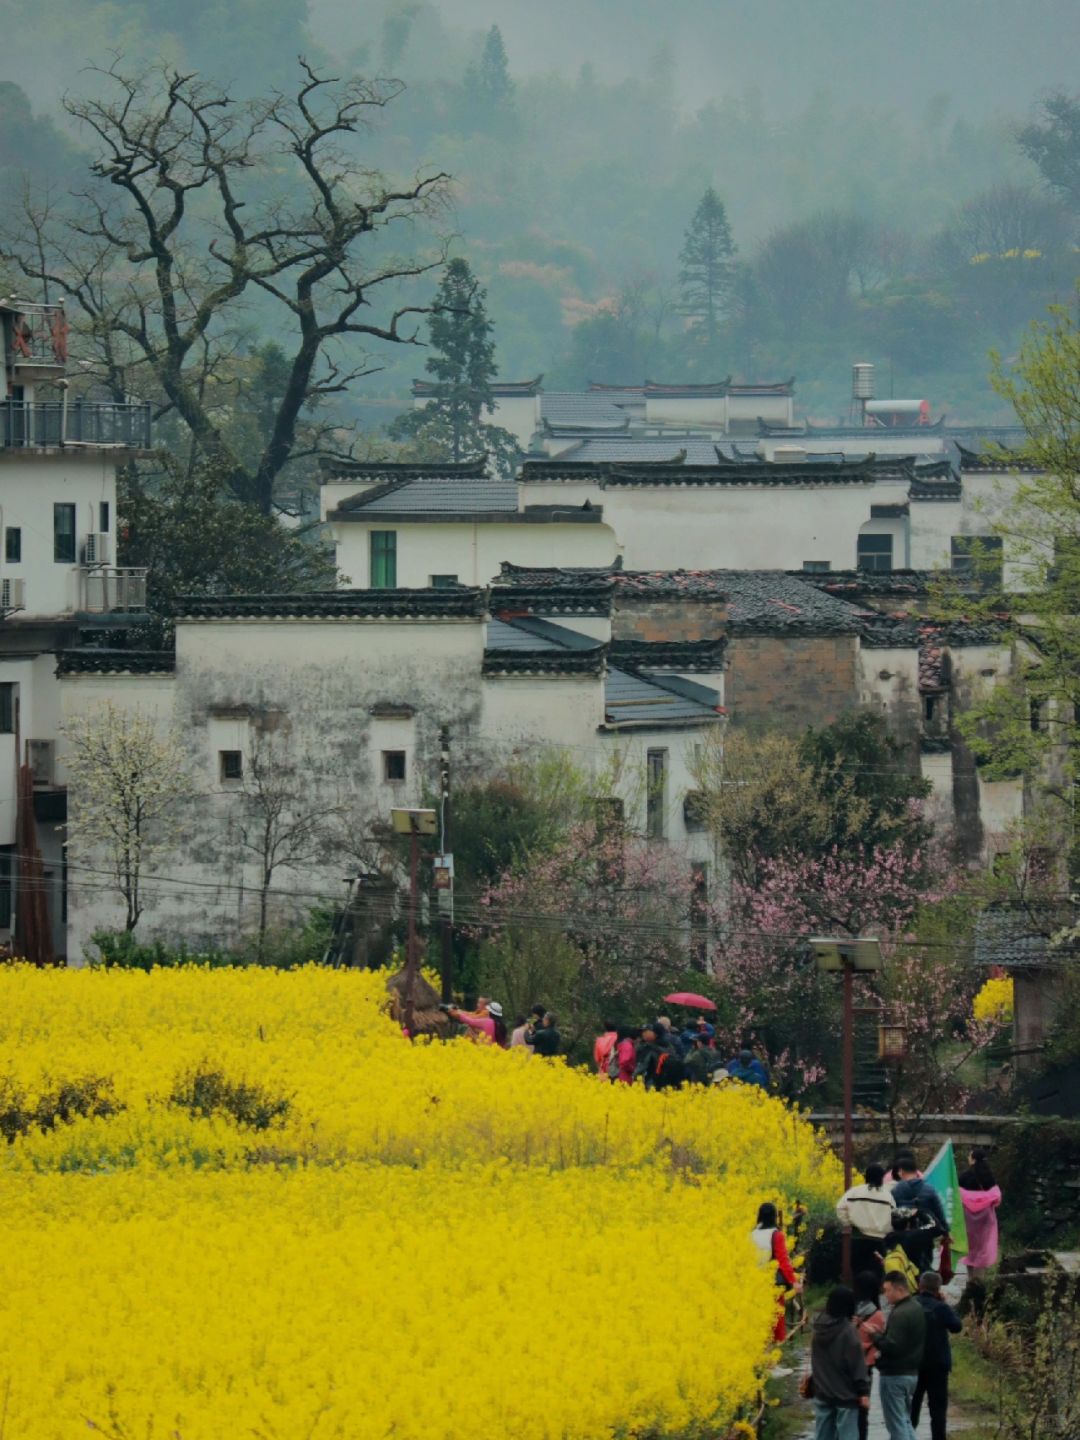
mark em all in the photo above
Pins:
pixel 431 1240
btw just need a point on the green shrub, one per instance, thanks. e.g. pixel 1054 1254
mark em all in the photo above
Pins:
pixel 209 1092
pixel 121 950
pixel 88 1095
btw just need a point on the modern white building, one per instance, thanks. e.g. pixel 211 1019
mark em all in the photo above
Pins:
pixel 59 582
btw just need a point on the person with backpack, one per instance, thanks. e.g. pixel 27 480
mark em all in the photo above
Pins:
pixel 771 1244
pixel 839 1380
pixel 933 1383
pixel 659 1065
pixel 912 1192
pixel 896 1249
pixel 623 1059
pixel 701 1061
pixel 900 1356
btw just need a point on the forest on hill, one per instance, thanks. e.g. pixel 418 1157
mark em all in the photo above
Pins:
pixel 883 203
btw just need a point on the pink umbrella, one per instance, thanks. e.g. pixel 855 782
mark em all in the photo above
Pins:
pixel 692 1001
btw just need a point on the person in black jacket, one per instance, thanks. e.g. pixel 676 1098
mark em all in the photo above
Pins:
pixel 838 1367
pixel 546 1039
pixel 933 1382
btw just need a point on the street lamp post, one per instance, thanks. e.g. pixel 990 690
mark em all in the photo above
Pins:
pixel 851 958
pixel 413 823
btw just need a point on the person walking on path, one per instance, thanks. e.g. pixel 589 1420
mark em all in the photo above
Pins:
pixel 912 1192
pixel 867 1210
pixel 933 1383
pixel 900 1356
pixel 838 1367
pixel 869 1322
pixel 980 1196
pixel 772 1249
pixel 896 1248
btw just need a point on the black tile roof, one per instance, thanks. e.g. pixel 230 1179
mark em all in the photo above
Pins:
pixel 388 470
pixel 682 655
pixel 755 601
pixel 1021 938
pixel 731 467
pixel 901 632
pixel 435 493
pixel 500 389
pixel 543 661
pixel 115 662
pixel 648 702
pixel 462 601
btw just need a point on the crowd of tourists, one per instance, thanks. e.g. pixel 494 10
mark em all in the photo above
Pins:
pixel 893 1319
pixel 657 1054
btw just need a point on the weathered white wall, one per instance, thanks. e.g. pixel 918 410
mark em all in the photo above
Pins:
pixel 29 487
pixel 313 684
pixel 472 552
pixel 520 414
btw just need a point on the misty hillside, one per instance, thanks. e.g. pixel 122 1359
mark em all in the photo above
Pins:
pixel 880 205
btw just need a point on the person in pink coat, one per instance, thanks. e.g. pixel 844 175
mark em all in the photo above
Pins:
pixel 980 1195
pixel 488 1027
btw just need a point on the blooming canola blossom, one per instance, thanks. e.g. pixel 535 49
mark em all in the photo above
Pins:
pixel 419 1216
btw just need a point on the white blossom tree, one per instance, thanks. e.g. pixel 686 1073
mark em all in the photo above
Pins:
pixel 127 778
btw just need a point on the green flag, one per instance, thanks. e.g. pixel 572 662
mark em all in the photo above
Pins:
pixel 941 1174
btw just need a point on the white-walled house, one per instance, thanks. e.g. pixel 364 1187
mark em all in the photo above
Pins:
pixel 58 577
pixel 554 420
pixel 404 525
pixel 348 692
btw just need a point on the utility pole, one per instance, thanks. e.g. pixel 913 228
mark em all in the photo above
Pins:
pixel 413 823
pixel 851 957
pixel 446 897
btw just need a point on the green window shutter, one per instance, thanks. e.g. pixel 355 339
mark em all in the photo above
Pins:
pixel 383 559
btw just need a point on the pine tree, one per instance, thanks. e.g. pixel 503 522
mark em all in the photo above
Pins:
pixel 494 86
pixel 462 365
pixel 706 268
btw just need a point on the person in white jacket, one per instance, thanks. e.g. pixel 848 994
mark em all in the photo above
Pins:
pixel 867 1209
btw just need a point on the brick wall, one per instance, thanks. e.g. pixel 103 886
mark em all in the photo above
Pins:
pixel 787 682
pixel 677 619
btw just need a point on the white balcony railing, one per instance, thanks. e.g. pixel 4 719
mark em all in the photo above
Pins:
pixel 106 589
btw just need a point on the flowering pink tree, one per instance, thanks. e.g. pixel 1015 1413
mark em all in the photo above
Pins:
pixel 625 905
pixel 907 898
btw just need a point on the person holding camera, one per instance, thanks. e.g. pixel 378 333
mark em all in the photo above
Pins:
pixel 488 1026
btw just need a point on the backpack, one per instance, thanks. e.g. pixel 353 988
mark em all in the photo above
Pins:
pixel 670 1070
pixel 613 1066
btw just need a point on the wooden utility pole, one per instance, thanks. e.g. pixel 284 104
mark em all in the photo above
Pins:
pixel 446 897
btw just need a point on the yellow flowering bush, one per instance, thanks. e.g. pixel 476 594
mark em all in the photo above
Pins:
pixel 442 1240
pixel 994 1002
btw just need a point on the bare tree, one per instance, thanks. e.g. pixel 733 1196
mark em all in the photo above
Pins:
pixel 178 231
pixel 127 778
pixel 284 824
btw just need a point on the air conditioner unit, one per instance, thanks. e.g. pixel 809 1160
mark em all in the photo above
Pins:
pixel 96 550
pixel 41 757
pixel 12 595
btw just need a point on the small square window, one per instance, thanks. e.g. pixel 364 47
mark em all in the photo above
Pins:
pixel 13 544
pixel 443 582
pixel 393 765
pixel 231 765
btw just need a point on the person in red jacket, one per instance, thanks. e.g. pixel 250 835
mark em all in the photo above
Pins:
pixel 602 1049
pixel 772 1247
